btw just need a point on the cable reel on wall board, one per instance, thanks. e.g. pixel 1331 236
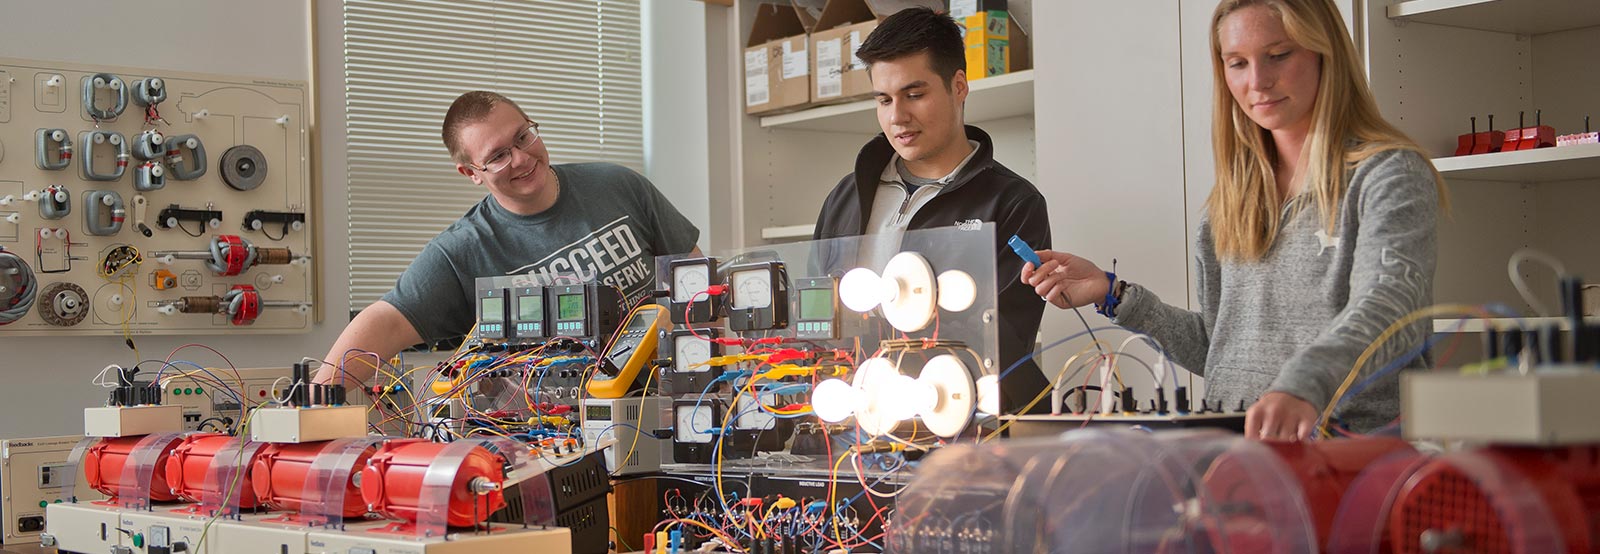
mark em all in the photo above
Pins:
pixel 244 167
pixel 18 287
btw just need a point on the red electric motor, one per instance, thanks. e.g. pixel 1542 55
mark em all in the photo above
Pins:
pixel 392 482
pixel 103 467
pixel 1324 470
pixel 278 476
pixel 191 461
pixel 1500 500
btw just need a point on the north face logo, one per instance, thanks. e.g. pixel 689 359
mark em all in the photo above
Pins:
pixel 969 224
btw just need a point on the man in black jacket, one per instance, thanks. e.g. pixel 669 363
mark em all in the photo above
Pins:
pixel 929 170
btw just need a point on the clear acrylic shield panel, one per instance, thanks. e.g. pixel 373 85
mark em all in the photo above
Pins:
pixel 1360 524
pixel 538 500
pixel 1469 501
pixel 1249 499
pixel 1105 491
pixel 970 250
pixel 139 471
pixel 905 299
pixel 439 486
pixel 227 478
pixel 69 490
pixel 329 479
pixel 960 495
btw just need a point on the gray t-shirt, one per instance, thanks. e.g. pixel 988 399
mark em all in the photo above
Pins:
pixel 1297 320
pixel 608 224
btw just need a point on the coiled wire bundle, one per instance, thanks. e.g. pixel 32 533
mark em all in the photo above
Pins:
pixel 18 288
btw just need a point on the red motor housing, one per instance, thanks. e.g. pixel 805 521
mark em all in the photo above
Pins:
pixel 392 482
pixel 190 462
pixel 1324 470
pixel 1501 500
pixel 278 477
pixel 103 464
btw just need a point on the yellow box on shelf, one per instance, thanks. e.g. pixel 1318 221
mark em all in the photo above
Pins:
pixel 988 43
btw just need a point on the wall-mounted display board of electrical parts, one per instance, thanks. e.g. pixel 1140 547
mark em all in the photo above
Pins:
pixel 141 202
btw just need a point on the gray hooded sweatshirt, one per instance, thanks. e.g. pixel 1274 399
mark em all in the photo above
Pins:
pixel 1296 320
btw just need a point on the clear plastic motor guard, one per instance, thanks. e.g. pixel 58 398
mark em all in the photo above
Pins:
pixel 392 482
pixel 538 501
pixel 144 471
pixel 330 479
pixel 228 490
pixel 74 468
pixel 1360 524
pixel 438 485
pixel 1482 501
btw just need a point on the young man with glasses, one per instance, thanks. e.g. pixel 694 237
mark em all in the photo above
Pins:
pixel 598 221
pixel 930 170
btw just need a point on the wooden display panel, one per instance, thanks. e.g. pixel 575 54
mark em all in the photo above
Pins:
pixel 222 112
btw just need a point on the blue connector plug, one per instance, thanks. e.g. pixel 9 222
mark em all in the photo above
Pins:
pixel 1024 251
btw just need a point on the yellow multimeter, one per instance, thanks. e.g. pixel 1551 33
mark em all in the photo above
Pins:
pixel 632 351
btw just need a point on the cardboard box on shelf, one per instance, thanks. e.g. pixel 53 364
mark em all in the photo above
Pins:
pixel 837 75
pixel 777 65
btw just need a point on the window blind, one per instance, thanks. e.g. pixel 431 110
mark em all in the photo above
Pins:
pixel 573 65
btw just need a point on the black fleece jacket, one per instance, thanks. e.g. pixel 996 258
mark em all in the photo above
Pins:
pixel 983 190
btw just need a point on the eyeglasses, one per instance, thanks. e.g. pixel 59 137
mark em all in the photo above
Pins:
pixel 501 159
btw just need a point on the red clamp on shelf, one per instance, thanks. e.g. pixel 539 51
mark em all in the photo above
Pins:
pixel 249 305
pixel 1529 138
pixel 237 253
pixel 1480 143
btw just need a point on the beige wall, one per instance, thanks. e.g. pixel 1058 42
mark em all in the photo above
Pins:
pixel 47 380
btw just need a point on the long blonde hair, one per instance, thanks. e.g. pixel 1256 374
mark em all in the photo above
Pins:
pixel 1245 204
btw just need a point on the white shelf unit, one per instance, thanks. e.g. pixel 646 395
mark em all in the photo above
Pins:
pixel 1478 325
pixel 1523 17
pixel 1543 165
pixel 788 232
pixel 780 168
pixel 1435 63
pixel 999 97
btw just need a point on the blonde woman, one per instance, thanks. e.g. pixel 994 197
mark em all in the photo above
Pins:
pixel 1318 234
